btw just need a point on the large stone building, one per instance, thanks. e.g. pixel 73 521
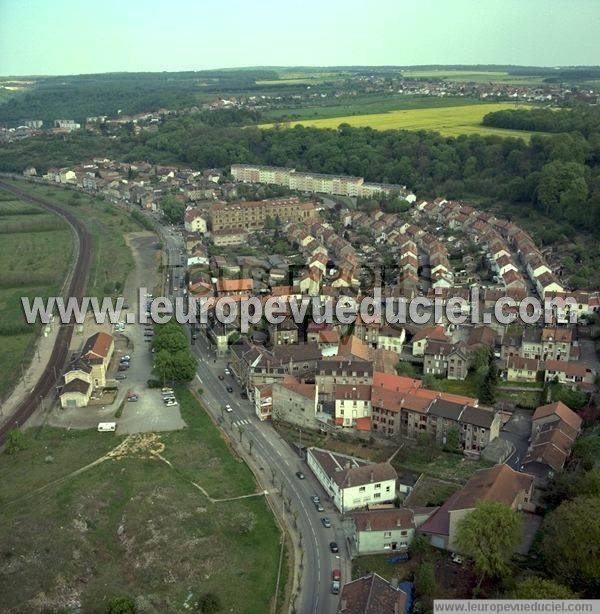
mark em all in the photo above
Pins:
pixel 254 215
pixel 295 402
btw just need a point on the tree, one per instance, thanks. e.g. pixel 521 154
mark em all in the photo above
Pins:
pixel 453 440
pixel 15 442
pixel 431 382
pixel 588 484
pixel 209 603
pixel 571 544
pixel 490 535
pixel 541 588
pixel 405 368
pixel 173 209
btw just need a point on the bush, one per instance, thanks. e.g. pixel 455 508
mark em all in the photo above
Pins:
pixel 209 603
pixel 15 442
pixel 121 605
pixel 154 383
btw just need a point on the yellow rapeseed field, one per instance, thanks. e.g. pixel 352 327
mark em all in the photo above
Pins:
pixel 449 121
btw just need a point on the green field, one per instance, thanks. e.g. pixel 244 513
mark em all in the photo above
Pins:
pixel 365 105
pixel 477 76
pixel 133 526
pixel 107 223
pixel 36 250
pixel 449 121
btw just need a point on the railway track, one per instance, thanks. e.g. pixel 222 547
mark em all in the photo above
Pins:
pixel 47 382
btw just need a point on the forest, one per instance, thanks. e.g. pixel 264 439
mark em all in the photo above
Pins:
pixel 585 120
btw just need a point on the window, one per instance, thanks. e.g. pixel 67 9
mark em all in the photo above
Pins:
pixel 377 495
pixel 387 534
pixel 361 489
pixel 377 485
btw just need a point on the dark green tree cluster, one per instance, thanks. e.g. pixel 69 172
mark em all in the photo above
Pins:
pixel 173 360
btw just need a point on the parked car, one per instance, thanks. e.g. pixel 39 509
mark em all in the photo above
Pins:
pixel 228 408
pixel 132 398
pixel 227 372
pixel 319 507
pixel 120 376
pixel 300 475
pixel 333 547
pixel 126 357
pixel 336 574
pixel 221 376
pixel 456 558
pixel 335 587
pixel 315 499
pixel 229 389
pixel 326 522
pixel 171 403
pixel 125 361
pixel 123 366
pixel 166 389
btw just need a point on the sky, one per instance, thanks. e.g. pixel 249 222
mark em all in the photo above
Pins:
pixel 40 37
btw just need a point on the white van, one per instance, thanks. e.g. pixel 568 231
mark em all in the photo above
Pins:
pixel 107 427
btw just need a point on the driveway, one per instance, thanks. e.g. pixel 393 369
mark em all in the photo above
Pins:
pixel 517 432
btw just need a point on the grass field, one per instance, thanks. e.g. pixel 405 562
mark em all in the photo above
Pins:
pixel 477 76
pixel 107 223
pixel 365 105
pixel 36 249
pixel 133 526
pixel 449 121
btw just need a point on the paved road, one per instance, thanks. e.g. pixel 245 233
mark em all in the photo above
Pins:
pixel 272 452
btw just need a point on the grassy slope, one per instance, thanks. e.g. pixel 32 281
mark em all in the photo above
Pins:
pixel 449 121
pixel 134 526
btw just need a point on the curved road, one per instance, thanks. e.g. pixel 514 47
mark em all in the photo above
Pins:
pixel 47 381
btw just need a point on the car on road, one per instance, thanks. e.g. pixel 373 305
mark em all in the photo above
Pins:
pixel 335 587
pixel 227 372
pixel 229 389
pixel 221 376
pixel 315 499
pixel 336 578
pixel 333 547
pixel 300 475
pixel 326 522
pixel 120 376
pixel 228 408
pixel 319 507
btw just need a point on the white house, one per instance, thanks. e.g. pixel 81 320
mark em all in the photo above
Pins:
pixel 352 483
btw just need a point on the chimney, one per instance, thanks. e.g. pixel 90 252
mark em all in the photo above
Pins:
pixel 371 476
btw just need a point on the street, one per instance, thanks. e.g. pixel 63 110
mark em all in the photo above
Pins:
pixel 275 459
